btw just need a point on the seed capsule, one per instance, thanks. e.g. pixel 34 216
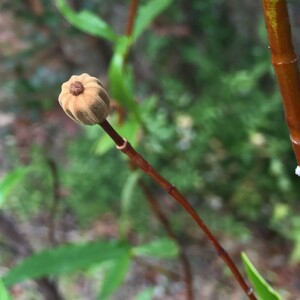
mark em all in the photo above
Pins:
pixel 84 99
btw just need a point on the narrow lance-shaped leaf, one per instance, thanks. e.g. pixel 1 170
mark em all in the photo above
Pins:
pixel 147 13
pixel 295 256
pixel 115 73
pixel 9 181
pixel 160 248
pixel 86 21
pixel 119 83
pixel 114 276
pixel 147 294
pixel 64 259
pixel 4 294
pixel 261 287
pixel 126 200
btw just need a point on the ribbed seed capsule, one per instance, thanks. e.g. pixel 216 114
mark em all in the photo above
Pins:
pixel 84 99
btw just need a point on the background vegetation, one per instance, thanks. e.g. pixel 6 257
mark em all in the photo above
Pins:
pixel 211 120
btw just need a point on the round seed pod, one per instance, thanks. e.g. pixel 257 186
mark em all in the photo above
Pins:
pixel 84 99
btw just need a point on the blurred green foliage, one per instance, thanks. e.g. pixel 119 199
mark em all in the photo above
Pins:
pixel 4 294
pixel 91 192
pixel 200 101
pixel 215 128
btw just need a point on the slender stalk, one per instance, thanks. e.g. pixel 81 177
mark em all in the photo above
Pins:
pixel 157 267
pixel 284 60
pixel 140 162
pixel 188 277
pixel 131 17
pixel 151 200
pixel 22 247
pixel 55 201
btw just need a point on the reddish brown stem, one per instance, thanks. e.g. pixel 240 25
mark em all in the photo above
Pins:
pixel 140 162
pixel 131 17
pixel 37 7
pixel 158 268
pixel 119 141
pixel 22 247
pixel 165 223
pixel 284 60
pixel 55 201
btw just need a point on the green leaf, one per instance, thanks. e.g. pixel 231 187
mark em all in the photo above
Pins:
pixel 295 256
pixel 4 294
pixel 129 130
pixel 147 13
pixel 114 276
pixel 126 200
pixel 160 248
pixel 9 181
pixel 64 259
pixel 147 294
pixel 127 191
pixel 120 78
pixel 261 287
pixel 86 21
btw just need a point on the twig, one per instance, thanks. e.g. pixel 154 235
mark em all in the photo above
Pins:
pixel 131 17
pixel 18 241
pixel 166 225
pixel 158 268
pixel 284 60
pixel 140 162
pixel 55 200
pixel 37 7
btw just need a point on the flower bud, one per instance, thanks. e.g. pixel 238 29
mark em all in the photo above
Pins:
pixel 84 100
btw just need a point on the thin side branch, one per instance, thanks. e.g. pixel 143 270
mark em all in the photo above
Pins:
pixel 284 60
pixel 140 162
pixel 188 277
pixel 131 17
pixel 55 201
pixel 22 247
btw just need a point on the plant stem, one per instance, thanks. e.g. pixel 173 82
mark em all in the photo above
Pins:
pixel 159 268
pixel 55 200
pixel 131 17
pixel 22 247
pixel 284 60
pixel 140 162
pixel 188 277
